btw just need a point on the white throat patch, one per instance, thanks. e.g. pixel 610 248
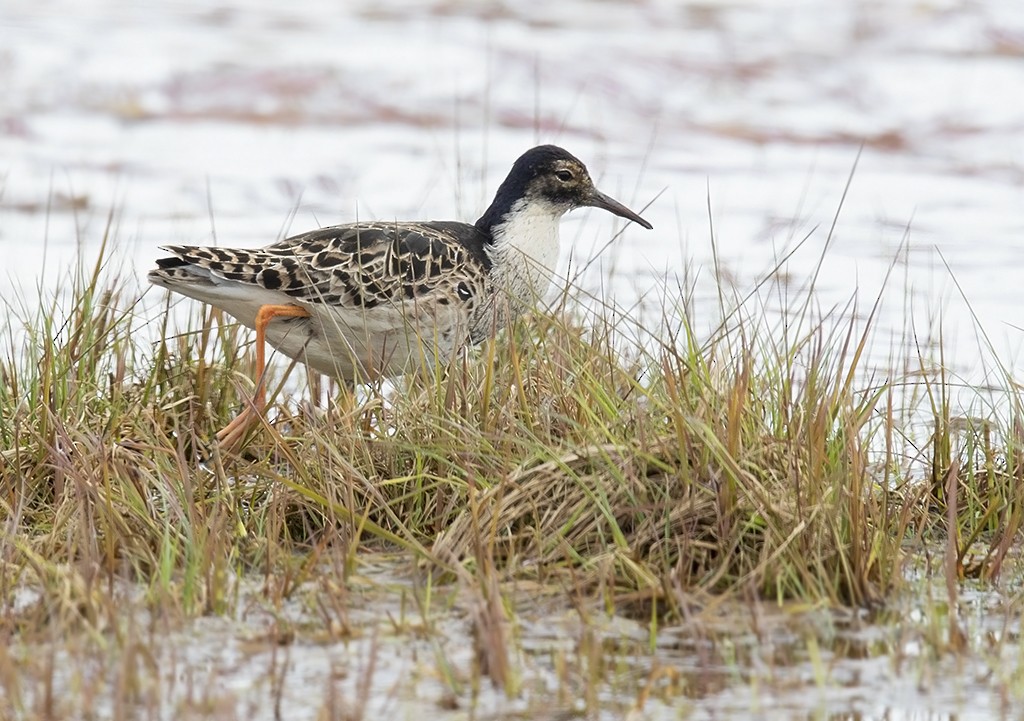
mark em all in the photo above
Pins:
pixel 525 250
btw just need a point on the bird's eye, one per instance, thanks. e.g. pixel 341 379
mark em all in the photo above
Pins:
pixel 564 175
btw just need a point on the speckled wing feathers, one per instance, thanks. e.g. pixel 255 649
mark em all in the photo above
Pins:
pixel 352 266
pixel 380 295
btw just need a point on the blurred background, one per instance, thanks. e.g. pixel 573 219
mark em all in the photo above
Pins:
pixel 733 126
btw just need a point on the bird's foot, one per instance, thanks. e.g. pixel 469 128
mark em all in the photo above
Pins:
pixel 231 437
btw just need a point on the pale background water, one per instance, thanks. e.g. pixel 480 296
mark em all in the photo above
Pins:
pixel 176 113
pixel 198 122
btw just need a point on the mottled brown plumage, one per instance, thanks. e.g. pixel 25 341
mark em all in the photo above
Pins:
pixel 378 289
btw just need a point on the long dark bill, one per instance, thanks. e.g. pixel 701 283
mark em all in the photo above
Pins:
pixel 600 200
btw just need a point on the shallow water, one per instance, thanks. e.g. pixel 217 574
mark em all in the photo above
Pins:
pixel 196 123
pixel 367 648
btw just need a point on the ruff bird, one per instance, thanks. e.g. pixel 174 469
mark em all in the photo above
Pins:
pixel 369 300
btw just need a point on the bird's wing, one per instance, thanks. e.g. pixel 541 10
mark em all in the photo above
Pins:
pixel 359 265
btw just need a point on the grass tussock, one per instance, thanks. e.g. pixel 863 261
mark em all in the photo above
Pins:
pixel 649 466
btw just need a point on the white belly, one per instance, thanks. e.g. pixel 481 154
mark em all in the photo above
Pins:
pixel 368 344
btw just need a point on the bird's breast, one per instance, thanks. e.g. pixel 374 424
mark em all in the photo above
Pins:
pixel 525 250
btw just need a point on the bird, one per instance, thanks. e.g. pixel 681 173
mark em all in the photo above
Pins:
pixel 375 299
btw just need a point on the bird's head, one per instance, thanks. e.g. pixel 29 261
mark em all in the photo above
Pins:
pixel 549 174
pixel 558 177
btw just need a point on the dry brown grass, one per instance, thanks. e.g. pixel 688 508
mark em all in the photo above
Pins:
pixel 568 453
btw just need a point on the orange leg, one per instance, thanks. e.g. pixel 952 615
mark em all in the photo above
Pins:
pixel 231 436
